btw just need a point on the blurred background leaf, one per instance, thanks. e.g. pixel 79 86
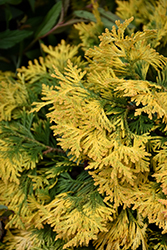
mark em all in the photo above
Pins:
pixel 3 207
pixel 49 20
pixel 24 24
pixel 9 38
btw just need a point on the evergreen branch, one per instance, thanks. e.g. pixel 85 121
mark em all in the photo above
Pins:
pixel 49 149
pixel 10 132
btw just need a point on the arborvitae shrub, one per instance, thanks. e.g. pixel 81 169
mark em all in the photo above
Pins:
pixel 85 168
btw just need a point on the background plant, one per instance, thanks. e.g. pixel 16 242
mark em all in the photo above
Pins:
pixel 27 24
pixel 86 167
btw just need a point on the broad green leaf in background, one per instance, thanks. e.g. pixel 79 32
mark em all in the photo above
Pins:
pixel 32 4
pixel 111 17
pixel 85 14
pixel 107 17
pixel 34 22
pixel 107 23
pixel 6 213
pixel 10 1
pixel 9 38
pixel 49 20
pixel 15 12
pixel 3 207
pixel 89 16
pixel 8 15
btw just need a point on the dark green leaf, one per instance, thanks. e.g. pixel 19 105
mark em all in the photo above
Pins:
pixel 85 14
pixel 3 207
pixel 9 38
pixel 49 20
pixel 108 18
pixel 6 214
pixel 107 23
pixel 72 21
pixel 14 1
pixel 112 17
pixel 15 11
pixel 10 1
pixel 34 22
pixel 8 14
pixel 32 4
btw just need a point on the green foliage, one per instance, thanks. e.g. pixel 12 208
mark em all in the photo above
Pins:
pixel 49 20
pixel 25 25
pixel 11 37
pixel 83 141
pixel 150 15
